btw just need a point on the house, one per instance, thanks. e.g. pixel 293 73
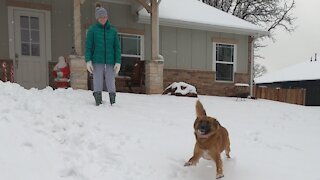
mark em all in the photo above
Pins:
pixel 200 45
pixel 302 75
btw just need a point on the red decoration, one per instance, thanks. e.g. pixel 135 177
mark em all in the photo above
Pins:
pixel 61 74
pixel 6 71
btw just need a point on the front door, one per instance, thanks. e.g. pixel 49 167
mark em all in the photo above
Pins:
pixel 30 48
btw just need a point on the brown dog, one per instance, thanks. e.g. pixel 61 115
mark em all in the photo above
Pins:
pixel 211 140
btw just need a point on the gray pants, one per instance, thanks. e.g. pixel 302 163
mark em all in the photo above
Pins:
pixel 99 72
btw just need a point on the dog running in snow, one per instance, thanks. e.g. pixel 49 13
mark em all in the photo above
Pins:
pixel 211 140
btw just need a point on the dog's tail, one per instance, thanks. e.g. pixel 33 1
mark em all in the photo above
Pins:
pixel 200 110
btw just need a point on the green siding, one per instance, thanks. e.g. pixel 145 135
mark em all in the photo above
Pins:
pixel 184 38
pixel 61 28
pixel 4 34
pixel 169 46
pixel 192 49
pixel 198 50
pixel 242 65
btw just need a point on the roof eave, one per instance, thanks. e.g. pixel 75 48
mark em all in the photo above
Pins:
pixel 285 81
pixel 206 27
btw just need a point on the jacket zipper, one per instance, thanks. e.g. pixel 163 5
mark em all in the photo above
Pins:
pixel 105 46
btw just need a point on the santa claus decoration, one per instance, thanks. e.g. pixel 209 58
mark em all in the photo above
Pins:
pixel 61 74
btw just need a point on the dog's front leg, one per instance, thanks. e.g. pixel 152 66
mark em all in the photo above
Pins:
pixel 216 157
pixel 197 153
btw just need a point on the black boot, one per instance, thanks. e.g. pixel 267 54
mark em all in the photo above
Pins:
pixel 112 97
pixel 97 97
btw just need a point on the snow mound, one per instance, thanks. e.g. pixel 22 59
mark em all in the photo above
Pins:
pixel 181 89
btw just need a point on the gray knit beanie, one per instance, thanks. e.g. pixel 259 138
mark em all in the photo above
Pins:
pixel 100 11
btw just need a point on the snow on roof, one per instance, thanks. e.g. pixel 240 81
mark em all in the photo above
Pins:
pixel 302 71
pixel 194 14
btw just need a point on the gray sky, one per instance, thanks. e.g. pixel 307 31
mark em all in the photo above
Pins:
pixel 298 46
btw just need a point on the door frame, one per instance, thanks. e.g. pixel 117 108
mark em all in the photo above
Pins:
pixel 47 29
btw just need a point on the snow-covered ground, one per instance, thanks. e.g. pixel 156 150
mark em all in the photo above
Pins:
pixel 62 135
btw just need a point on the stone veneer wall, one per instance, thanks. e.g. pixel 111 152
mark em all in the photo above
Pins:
pixel 154 76
pixel 78 72
pixel 204 81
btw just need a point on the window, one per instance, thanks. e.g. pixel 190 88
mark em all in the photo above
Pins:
pixel 131 51
pixel 225 56
pixel 30 36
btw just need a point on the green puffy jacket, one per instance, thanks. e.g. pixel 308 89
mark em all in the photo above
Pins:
pixel 102 44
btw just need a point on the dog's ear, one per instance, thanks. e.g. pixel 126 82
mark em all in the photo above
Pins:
pixel 195 124
pixel 200 110
pixel 217 124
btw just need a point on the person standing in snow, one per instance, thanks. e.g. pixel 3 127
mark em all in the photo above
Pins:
pixel 103 55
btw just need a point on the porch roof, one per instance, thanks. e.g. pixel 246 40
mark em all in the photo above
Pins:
pixel 193 14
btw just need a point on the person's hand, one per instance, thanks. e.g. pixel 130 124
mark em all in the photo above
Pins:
pixel 116 68
pixel 89 66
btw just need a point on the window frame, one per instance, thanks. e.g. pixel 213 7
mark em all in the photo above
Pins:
pixel 215 61
pixel 30 41
pixel 140 57
pixel 141 45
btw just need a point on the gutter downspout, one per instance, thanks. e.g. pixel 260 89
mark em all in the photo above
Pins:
pixel 252 64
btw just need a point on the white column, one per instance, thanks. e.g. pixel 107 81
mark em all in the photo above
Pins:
pixel 154 30
pixel 77 26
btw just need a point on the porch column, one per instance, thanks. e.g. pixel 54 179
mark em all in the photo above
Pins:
pixel 78 71
pixel 154 76
pixel 77 26
pixel 154 67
